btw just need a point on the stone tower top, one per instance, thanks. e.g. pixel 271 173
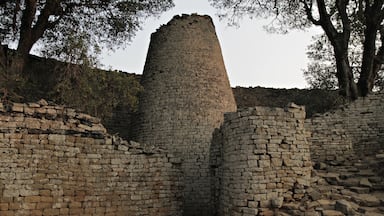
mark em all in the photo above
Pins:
pixel 186 21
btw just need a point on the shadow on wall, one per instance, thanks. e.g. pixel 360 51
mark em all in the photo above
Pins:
pixel 314 100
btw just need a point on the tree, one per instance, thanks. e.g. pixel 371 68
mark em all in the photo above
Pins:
pixel 321 70
pixel 75 28
pixel 338 19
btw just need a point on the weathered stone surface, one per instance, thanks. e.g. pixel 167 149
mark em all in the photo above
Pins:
pixel 56 161
pixel 344 207
pixel 364 182
pixel 332 178
pixel 367 200
pixel 51 166
pixel 186 93
pixel 263 153
pixel 332 213
pixel 277 202
pixel 353 129
pixel 360 190
pixel 326 204
pixel 315 195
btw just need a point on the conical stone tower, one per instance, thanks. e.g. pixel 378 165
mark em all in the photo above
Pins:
pixel 186 92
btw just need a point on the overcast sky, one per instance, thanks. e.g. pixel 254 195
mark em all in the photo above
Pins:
pixel 252 56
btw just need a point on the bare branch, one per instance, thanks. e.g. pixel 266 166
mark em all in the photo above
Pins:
pixel 43 20
pixel 15 12
pixel 342 9
pixel 308 11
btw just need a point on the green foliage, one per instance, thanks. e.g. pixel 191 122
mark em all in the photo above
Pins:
pixel 94 91
pixel 350 26
pixel 286 14
pixel 73 31
pixel 321 70
pixel 11 85
pixel 56 24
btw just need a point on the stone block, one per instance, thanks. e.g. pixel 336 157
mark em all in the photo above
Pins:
pixel 277 202
pixel 367 200
pixel 11 193
pixel 331 213
pixel 249 211
pixel 28 206
pixel 32 199
pixel 43 205
pixel 42 102
pixel 4 206
pixel 28 192
pixel 364 182
pixel 345 207
pixel 17 107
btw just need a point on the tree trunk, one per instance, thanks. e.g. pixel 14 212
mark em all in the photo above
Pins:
pixel 379 58
pixel 368 74
pixel 344 74
pixel 339 41
pixel 3 57
pixel 26 40
pixel 31 30
pixel 345 78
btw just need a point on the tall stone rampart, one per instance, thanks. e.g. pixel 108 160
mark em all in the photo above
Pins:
pixel 355 128
pixel 186 92
pixel 260 158
pixel 55 161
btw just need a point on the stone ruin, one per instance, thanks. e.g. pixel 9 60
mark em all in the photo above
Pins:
pixel 260 155
pixel 196 154
pixel 56 161
pixel 186 93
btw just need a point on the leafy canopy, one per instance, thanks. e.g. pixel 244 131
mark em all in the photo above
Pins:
pixel 78 27
pixel 286 14
pixel 341 21
pixel 321 70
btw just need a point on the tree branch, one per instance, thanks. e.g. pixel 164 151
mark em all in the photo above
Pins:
pixel 26 26
pixel 342 9
pixel 308 11
pixel 379 58
pixel 325 21
pixel 15 12
pixel 43 23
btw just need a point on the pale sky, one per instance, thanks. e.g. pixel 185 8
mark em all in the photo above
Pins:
pixel 252 56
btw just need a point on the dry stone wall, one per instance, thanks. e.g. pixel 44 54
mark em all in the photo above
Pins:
pixel 330 142
pixel 186 92
pixel 355 128
pixel 260 158
pixel 55 161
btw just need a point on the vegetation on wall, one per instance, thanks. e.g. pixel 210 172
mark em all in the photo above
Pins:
pixel 69 30
pixel 90 90
pixel 95 91
pixel 314 100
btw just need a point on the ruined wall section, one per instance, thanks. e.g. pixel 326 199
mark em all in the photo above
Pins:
pixel 355 128
pixel 364 121
pixel 261 159
pixel 186 92
pixel 330 142
pixel 55 161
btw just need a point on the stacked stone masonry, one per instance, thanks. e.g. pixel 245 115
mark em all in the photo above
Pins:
pixel 196 160
pixel 355 128
pixel 186 92
pixel 259 158
pixel 55 161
